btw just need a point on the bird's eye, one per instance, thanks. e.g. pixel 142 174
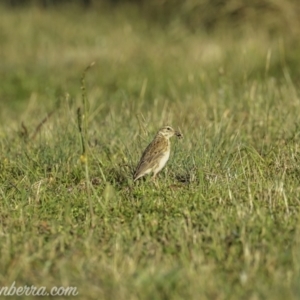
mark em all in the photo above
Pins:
pixel 168 128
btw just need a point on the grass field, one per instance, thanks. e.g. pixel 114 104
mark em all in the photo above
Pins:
pixel 224 222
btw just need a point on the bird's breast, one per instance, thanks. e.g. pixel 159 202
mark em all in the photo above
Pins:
pixel 163 160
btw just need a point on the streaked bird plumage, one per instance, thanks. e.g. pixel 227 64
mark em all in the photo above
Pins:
pixel 156 155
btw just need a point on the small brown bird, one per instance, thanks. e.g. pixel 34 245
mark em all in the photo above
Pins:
pixel 156 154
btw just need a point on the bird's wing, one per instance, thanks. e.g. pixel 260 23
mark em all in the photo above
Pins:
pixel 150 157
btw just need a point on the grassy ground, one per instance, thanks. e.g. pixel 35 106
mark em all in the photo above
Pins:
pixel 224 222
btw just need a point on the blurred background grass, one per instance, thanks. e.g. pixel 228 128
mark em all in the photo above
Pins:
pixel 271 15
pixel 41 40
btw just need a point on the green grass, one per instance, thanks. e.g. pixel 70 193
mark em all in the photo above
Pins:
pixel 224 222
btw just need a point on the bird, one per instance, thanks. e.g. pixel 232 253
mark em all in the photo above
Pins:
pixel 156 154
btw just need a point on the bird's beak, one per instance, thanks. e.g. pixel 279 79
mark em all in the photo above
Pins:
pixel 178 134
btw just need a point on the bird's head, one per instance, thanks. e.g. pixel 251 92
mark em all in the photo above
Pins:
pixel 168 131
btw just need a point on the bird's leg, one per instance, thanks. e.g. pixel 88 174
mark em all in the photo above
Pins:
pixel 154 180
